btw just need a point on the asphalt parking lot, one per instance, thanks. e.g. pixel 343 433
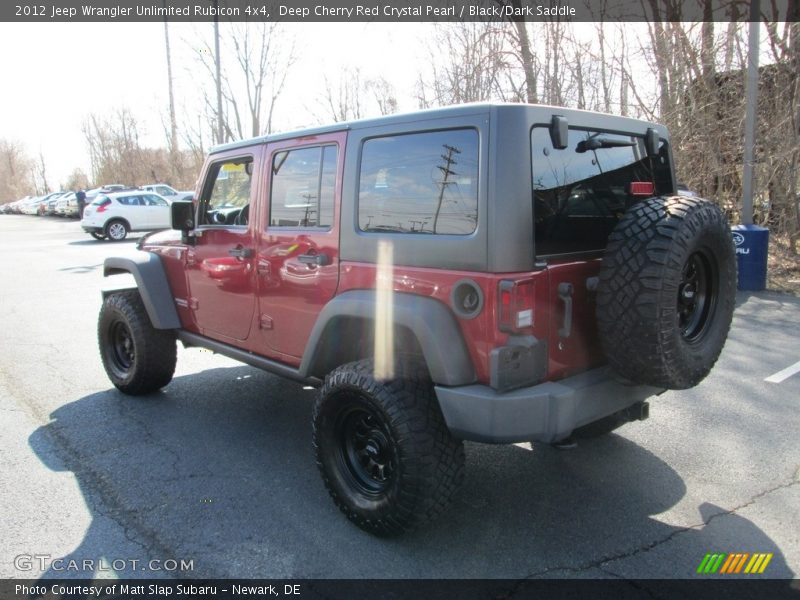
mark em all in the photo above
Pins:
pixel 217 469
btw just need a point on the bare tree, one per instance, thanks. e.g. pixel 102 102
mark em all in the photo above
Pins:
pixel 40 176
pixel 384 95
pixel 77 180
pixel 16 171
pixel 252 81
pixel 468 63
pixel 343 99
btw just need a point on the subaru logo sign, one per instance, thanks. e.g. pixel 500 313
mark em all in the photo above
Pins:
pixel 738 238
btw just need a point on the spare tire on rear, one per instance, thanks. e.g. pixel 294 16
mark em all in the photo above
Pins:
pixel 666 291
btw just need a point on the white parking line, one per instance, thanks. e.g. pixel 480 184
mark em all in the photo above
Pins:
pixel 785 374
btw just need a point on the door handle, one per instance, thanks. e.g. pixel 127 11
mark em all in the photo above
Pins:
pixel 319 260
pixel 565 294
pixel 241 252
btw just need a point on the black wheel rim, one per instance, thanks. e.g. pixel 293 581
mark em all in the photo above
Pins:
pixel 121 347
pixel 697 294
pixel 365 450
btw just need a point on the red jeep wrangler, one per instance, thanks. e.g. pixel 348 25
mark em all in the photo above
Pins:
pixel 496 273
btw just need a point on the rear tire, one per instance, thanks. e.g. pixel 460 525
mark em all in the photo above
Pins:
pixel 97 236
pixel 383 449
pixel 116 230
pixel 666 292
pixel 138 358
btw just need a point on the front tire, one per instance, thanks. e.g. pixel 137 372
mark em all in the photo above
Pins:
pixel 383 449
pixel 116 230
pixel 138 358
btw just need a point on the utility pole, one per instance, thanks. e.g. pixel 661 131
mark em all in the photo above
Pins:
pixel 449 161
pixel 750 115
pixel 220 130
pixel 173 126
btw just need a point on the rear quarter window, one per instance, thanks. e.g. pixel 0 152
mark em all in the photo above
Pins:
pixel 420 183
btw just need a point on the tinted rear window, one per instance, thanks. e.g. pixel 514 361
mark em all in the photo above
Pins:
pixel 580 192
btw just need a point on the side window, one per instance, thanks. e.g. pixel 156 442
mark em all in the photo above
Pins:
pixel 420 183
pixel 226 193
pixel 156 201
pixel 303 187
pixel 580 192
pixel 129 200
pixel 164 191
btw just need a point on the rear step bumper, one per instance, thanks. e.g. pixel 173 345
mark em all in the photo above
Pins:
pixel 547 412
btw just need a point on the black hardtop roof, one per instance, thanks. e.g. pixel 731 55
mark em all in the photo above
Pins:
pixel 448 112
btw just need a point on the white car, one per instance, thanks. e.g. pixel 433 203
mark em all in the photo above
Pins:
pixel 62 204
pixel 167 192
pixel 113 216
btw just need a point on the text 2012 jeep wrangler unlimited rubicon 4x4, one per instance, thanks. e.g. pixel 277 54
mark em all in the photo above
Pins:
pixel 497 273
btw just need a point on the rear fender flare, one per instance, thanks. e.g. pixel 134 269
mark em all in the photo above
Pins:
pixel 430 321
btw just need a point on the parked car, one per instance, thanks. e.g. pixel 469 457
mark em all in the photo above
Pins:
pixel 13 208
pixel 113 216
pixel 61 204
pixel 50 206
pixel 44 202
pixel 167 192
pixel 31 206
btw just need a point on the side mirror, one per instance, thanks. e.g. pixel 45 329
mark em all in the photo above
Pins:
pixel 182 215
pixel 559 132
pixel 651 141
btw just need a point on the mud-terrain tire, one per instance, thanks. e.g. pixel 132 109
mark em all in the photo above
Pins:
pixel 116 230
pixel 666 291
pixel 138 358
pixel 383 449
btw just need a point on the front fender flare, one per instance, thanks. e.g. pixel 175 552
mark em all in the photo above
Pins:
pixel 151 280
pixel 429 320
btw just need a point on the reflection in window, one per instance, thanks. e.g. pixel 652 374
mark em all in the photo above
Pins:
pixel 226 202
pixel 303 185
pixel 232 184
pixel 420 183
pixel 580 192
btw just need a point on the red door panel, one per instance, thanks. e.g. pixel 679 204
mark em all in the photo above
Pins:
pixel 297 262
pixel 220 265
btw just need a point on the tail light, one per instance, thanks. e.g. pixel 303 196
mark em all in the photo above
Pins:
pixel 515 305
pixel 642 188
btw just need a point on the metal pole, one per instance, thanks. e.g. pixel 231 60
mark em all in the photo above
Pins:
pixel 750 115
pixel 220 130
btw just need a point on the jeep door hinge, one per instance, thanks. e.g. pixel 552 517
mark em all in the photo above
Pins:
pixel 265 322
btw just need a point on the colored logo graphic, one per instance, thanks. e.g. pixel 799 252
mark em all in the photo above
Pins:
pixel 738 238
pixel 741 562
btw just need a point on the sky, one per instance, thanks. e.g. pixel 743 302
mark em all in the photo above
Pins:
pixel 54 74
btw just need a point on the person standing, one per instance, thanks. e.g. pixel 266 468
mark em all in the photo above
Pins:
pixel 80 195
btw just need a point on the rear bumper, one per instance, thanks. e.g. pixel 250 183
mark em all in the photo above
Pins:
pixel 92 229
pixel 546 412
